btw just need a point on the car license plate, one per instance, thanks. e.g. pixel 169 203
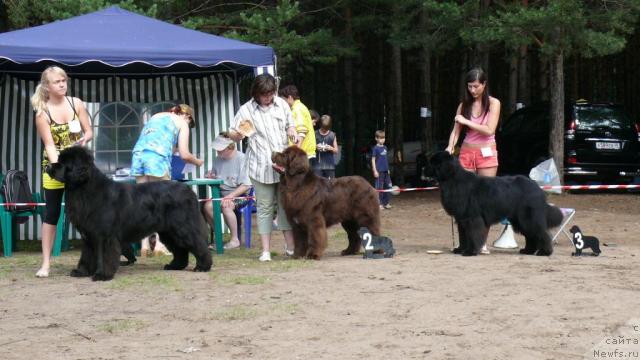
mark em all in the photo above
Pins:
pixel 608 145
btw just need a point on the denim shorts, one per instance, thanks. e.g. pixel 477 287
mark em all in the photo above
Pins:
pixel 150 163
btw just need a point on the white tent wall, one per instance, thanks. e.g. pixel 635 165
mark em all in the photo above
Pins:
pixel 211 96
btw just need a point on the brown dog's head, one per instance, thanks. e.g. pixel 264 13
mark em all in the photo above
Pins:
pixel 73 167
pixel 291 162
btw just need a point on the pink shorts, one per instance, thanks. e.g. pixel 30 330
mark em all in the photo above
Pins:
pixel 472 159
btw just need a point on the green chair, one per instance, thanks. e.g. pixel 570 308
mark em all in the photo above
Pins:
pixel 7 223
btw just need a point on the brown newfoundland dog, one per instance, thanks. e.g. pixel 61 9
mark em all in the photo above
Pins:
pixel 313 203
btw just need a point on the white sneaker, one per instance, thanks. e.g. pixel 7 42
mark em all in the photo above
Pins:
pixel 266 256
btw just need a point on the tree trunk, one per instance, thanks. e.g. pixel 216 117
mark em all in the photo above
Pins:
pixel 428 122
pixel 436 119
pixel 362 115
pixel 543 77
pixel 350 127
pixel 513 84
pixel 463 74
pixel 398 138
pixel 556 137
pixel 4 17
pixel 574 91
pixel 524 88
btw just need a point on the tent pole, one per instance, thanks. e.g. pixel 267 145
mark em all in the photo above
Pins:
pixel 236 92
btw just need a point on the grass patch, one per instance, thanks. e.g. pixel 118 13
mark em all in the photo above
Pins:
pixel 121 325
pixel 145 282
pixel 287 308
pixel 290 264
pixel 338 235
pixel 25 265
pixel 235 313
pixel 248 259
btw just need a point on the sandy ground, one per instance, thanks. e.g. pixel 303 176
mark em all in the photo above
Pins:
pixel 416 305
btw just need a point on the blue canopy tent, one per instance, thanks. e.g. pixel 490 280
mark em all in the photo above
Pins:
pixel 125 67
pixel 118 38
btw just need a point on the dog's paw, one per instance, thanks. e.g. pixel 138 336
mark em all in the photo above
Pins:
pixel 79 273
pixel 457 250
pixel 201 269
pixel 526 251
pixel 313 257
pixel 469 253
pixel 101 277
pixel 174 267
pixel 348 252
pixel 543 253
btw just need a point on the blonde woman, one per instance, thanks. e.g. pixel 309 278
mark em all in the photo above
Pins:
pixel 61 121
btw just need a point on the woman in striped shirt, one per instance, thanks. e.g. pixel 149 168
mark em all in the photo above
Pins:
pixel 273 122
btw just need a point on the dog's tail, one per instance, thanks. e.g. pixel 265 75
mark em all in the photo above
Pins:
pixel 554 216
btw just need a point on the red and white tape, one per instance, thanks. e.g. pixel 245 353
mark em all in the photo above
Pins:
pixel 409 189
pixel 589 187
pixel 199 200
pixel 544 187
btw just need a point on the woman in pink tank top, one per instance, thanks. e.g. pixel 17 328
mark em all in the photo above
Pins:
pixel 479 113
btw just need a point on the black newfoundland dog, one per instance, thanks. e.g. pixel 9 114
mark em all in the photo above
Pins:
pixel 108 214
pixel 477 202
pixel 313 203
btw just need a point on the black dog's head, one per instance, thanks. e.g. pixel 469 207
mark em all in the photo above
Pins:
pixel 291 162
pixel 73 167
pixel 442 166
pixel 574 229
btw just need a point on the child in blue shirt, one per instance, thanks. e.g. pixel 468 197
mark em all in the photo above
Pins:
pixel 380 168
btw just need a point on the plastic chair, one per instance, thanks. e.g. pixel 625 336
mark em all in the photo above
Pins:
pixel 567 214
pixel 177 165
pixel 7 224
pixel 245 213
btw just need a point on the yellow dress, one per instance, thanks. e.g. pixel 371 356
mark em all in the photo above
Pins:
pixel 62 140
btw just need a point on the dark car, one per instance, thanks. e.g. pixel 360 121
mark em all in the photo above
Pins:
pixel 601 142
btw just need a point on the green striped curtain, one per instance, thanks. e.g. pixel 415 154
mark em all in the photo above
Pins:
pixel 21 148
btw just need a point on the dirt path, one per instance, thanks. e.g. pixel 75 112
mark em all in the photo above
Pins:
pixel 499 306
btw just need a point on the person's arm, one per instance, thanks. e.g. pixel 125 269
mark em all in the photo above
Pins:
pixel 239 191
pixel 335 145
pixel 373 163
pixel 489 128
pixel 183 145
pixel 304 126
pixel 290 123
pixel 455 132
pixel 234 135
pixel 87 132
pixel 42 126
pixel 227 201
pixel 233 132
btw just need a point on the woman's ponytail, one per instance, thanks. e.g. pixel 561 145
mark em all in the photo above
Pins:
pixel 39 99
